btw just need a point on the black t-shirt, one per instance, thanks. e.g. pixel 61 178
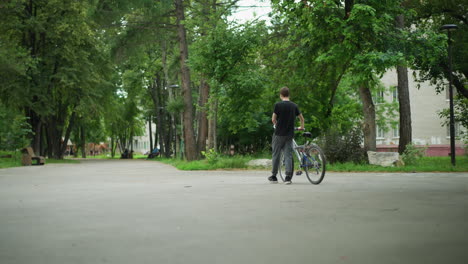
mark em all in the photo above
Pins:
pixel 286 112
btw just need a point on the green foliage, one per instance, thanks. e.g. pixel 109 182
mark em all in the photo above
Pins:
pixel 386 112
pixel 248 140
pixel 176 105
pixel 321 45
pixel 429 47
pixel 211 156
pixel 227 57
pixel 460 116
pixel 10 159
pixel 235 162
pixel 62 63
pixel 15 160
pixel 14 129
pixel 342 147
pixel 412 154
pixel 102 61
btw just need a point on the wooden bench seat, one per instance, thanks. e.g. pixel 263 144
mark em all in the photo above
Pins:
pixel 29 156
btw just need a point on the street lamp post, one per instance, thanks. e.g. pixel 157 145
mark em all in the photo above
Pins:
pixel 449 28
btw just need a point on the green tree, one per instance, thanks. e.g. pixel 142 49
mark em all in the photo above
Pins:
pixel 14 129
pixel 68 64
pixel 430 55
pixel 329 39
pixel 228 58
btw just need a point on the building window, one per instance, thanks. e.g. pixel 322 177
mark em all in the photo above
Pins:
pixel 396 131
pixel 395 94
pixel 380 132
pixel 457 129
pixel 379 97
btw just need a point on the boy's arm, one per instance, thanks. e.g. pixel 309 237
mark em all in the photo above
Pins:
pixel 301 117
pixel 273 119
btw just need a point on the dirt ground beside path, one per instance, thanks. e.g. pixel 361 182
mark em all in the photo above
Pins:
pixel 138 211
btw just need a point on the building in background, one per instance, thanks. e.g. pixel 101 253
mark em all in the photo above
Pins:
pixel 427 126
pixel 141 144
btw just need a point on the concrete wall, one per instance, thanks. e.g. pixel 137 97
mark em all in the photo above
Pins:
pixel 431 150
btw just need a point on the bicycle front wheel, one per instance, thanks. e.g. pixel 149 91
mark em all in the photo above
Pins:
pixel 314 164
pixel 282 168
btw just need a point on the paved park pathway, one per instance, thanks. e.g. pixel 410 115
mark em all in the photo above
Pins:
pixel 137 211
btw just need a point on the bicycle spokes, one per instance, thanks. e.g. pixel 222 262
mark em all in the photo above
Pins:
pixel 314 164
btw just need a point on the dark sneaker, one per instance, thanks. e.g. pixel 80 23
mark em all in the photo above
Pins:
pixel 287 180
pixel 273 179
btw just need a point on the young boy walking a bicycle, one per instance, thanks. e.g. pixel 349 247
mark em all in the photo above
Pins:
pixel 283 118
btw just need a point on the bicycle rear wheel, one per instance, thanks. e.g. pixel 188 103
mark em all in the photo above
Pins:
pixel 282 167
pixel 314 164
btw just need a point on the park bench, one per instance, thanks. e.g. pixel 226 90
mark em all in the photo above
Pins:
pixel 28 156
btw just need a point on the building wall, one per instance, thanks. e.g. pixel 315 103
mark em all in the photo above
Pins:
pixel 141 144
pixel 426 124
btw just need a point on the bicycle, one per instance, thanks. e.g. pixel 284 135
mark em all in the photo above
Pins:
pixel 311 159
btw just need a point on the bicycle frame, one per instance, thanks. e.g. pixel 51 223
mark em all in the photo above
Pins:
pixel 295 149
pixel 311 159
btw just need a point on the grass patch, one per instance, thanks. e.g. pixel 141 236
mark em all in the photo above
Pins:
pixel 15 160
pixel 424 164
pixel 236 162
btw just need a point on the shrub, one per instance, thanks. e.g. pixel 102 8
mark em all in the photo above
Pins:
pixel 343 147
pixel 211 156
pixel 14 130
pixel 412 154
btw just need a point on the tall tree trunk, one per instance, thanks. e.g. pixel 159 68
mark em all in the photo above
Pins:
pixel 209 8
pixel 155 95
pixel 37 138
pixel 212 125
pixel 348 7
pixel 169 86
pixel 168 137
pixel 150 123
pixel 55 138
pixel 43 141
pixel 369 118
pixel 71 123
pixel 83 141
pixel 112 148
pixel 48 140
pixel 191 152
pixel 404 100
pixel 202 115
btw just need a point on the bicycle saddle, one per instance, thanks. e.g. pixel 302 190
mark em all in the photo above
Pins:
pixel 307 134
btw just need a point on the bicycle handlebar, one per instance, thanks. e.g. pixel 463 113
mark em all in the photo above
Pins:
pixel 295 129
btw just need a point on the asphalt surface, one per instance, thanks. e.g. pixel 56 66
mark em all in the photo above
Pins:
pixel 136 211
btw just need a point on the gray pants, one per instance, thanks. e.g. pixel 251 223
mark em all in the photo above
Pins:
pixel 282 144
